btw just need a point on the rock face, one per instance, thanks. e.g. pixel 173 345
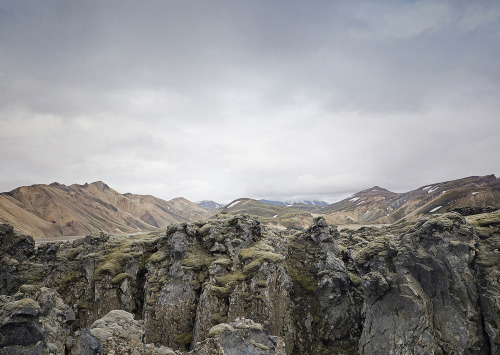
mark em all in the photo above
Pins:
pixel 240 337
pixel 232 286
pixel 34 321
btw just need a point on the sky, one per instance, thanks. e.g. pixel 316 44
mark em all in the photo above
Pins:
pixel 218 100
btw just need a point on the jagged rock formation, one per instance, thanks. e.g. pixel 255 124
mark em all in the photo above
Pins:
pixel 232 286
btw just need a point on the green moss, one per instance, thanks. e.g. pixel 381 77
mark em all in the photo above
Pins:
pixel 262 283
pixel 73 253
pixel 222 292
pixel 66 282
pixel 301 273
pixel 259 253
pixel 195 284
pixel 219 329
pixel 253 266
pixel 375 247
pixel 184 339
pixel 112 267
pixel 223 261
pixel 231 278
pixel 201 276
pixel 83 305
pixel 197 259
pixel 355 280
pixel 114 263
pixel 259 345
pixel 220 317
pixel 74 276
pixel 120 277
pixel 304 279
pixel 158 257
pixel 205 229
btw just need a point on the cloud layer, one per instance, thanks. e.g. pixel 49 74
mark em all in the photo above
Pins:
pixel 225 99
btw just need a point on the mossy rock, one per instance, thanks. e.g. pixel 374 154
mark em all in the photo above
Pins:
pixel 302 273
pixel 120 277
pixel 258 254
pixel 158 257
pixel 220 317
pixel 231 278
pixel 222 292
pixel 197 259
pixel 220 329
pixel 253 266
pixel 184 339
pixel 223 261
pixel 113 263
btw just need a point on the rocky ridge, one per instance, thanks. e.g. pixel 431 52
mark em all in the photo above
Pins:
pixel 233 286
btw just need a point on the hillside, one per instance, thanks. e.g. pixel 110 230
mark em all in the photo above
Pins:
pixel 280 216
pixel 307 205
pixel 210 205
pixel 60 210
pixel 378 205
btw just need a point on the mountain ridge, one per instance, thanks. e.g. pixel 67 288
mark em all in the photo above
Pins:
pixel 381 206
pixel 60 210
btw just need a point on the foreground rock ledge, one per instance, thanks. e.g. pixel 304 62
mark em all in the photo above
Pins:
pixel 232 286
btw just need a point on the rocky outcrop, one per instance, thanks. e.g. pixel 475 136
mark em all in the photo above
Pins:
pixel 232 286
pixel 119 333
pixel 34 321
pixel 240 337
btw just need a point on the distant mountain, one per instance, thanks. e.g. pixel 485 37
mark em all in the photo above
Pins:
pixel 295 203
pixel 210 205
pixel 378 205
pixel 280 216
pixel 60 210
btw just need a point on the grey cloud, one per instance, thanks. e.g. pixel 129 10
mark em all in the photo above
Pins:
pixel 264 98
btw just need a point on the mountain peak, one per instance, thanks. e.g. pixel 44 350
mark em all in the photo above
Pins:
pixel 100 185
pixel 373 190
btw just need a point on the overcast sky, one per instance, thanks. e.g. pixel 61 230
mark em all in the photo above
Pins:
pixel 265 99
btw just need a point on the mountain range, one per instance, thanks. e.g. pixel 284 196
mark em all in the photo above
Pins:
pixel 295 203
pixel 377 205
pixel 60 210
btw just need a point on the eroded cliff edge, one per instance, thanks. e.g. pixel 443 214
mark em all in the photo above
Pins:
pixel 230 285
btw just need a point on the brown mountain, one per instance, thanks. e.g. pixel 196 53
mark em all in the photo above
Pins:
pixel 60 210
pixel 378 205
